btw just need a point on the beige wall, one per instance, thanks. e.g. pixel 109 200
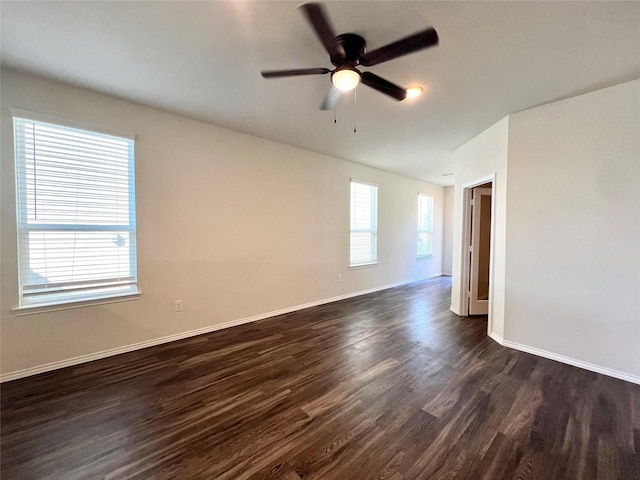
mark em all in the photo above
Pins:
pixel 447 231
pixel 482 157
pixel 233 225
pixel 567 234
pixel 573 228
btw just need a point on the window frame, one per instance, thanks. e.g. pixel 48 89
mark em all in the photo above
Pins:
pixel 88 292
pixel 373 228
pixel 424 229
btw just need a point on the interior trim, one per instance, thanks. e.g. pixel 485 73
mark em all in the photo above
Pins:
pixel 568 360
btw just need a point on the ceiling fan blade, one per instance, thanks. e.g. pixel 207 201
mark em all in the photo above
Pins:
pixel 319 20
pixel 330 101
pixel 378 83
pixel 410 44
pixel 292 73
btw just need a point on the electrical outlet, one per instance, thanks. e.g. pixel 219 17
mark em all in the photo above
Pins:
pixel 339 278
pixel 178 306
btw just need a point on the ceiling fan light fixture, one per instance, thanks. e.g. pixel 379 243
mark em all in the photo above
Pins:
pixel 413 92
pixel 345 79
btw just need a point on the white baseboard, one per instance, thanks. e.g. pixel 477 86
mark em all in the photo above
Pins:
pixel 27 372
pixel 568 360
pixel 455 310
pixel 496 337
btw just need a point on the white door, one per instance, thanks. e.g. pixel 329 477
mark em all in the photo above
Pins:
pixel 480 251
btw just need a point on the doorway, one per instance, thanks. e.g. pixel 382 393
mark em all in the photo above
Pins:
pixel 478 233
pixel 479 249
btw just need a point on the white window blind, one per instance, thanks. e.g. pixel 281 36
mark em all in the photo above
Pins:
pixel 76 214
pixel 425 225
pixel 364 224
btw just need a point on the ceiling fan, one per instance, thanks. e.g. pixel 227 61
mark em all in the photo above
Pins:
pixel 347 51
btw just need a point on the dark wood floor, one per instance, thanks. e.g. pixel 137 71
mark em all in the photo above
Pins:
pixel 385 386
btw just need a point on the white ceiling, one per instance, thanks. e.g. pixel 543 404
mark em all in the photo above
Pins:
pixel 203 60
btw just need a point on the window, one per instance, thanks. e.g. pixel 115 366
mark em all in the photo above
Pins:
pixel 425 225
pixel 76 214
pixel 364 224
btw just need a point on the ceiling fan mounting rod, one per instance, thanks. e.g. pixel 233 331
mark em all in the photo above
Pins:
pixel 347 49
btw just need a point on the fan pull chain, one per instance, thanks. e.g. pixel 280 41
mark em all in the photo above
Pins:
pixel 355 109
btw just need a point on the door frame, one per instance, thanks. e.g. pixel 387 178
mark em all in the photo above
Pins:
pixel 466 241
pixel 474 277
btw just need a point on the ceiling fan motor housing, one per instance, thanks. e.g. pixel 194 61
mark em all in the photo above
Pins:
pixel 353 46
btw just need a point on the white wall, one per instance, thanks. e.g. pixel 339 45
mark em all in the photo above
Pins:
pixel 481 157
pixel 234 225
pixel 573 228
pixel 567 239
pixel 447 231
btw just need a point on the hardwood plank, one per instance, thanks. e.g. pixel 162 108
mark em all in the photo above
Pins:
pixel 388 386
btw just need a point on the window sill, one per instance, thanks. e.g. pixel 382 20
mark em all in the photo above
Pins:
pixel 71 304
pixel 363 265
